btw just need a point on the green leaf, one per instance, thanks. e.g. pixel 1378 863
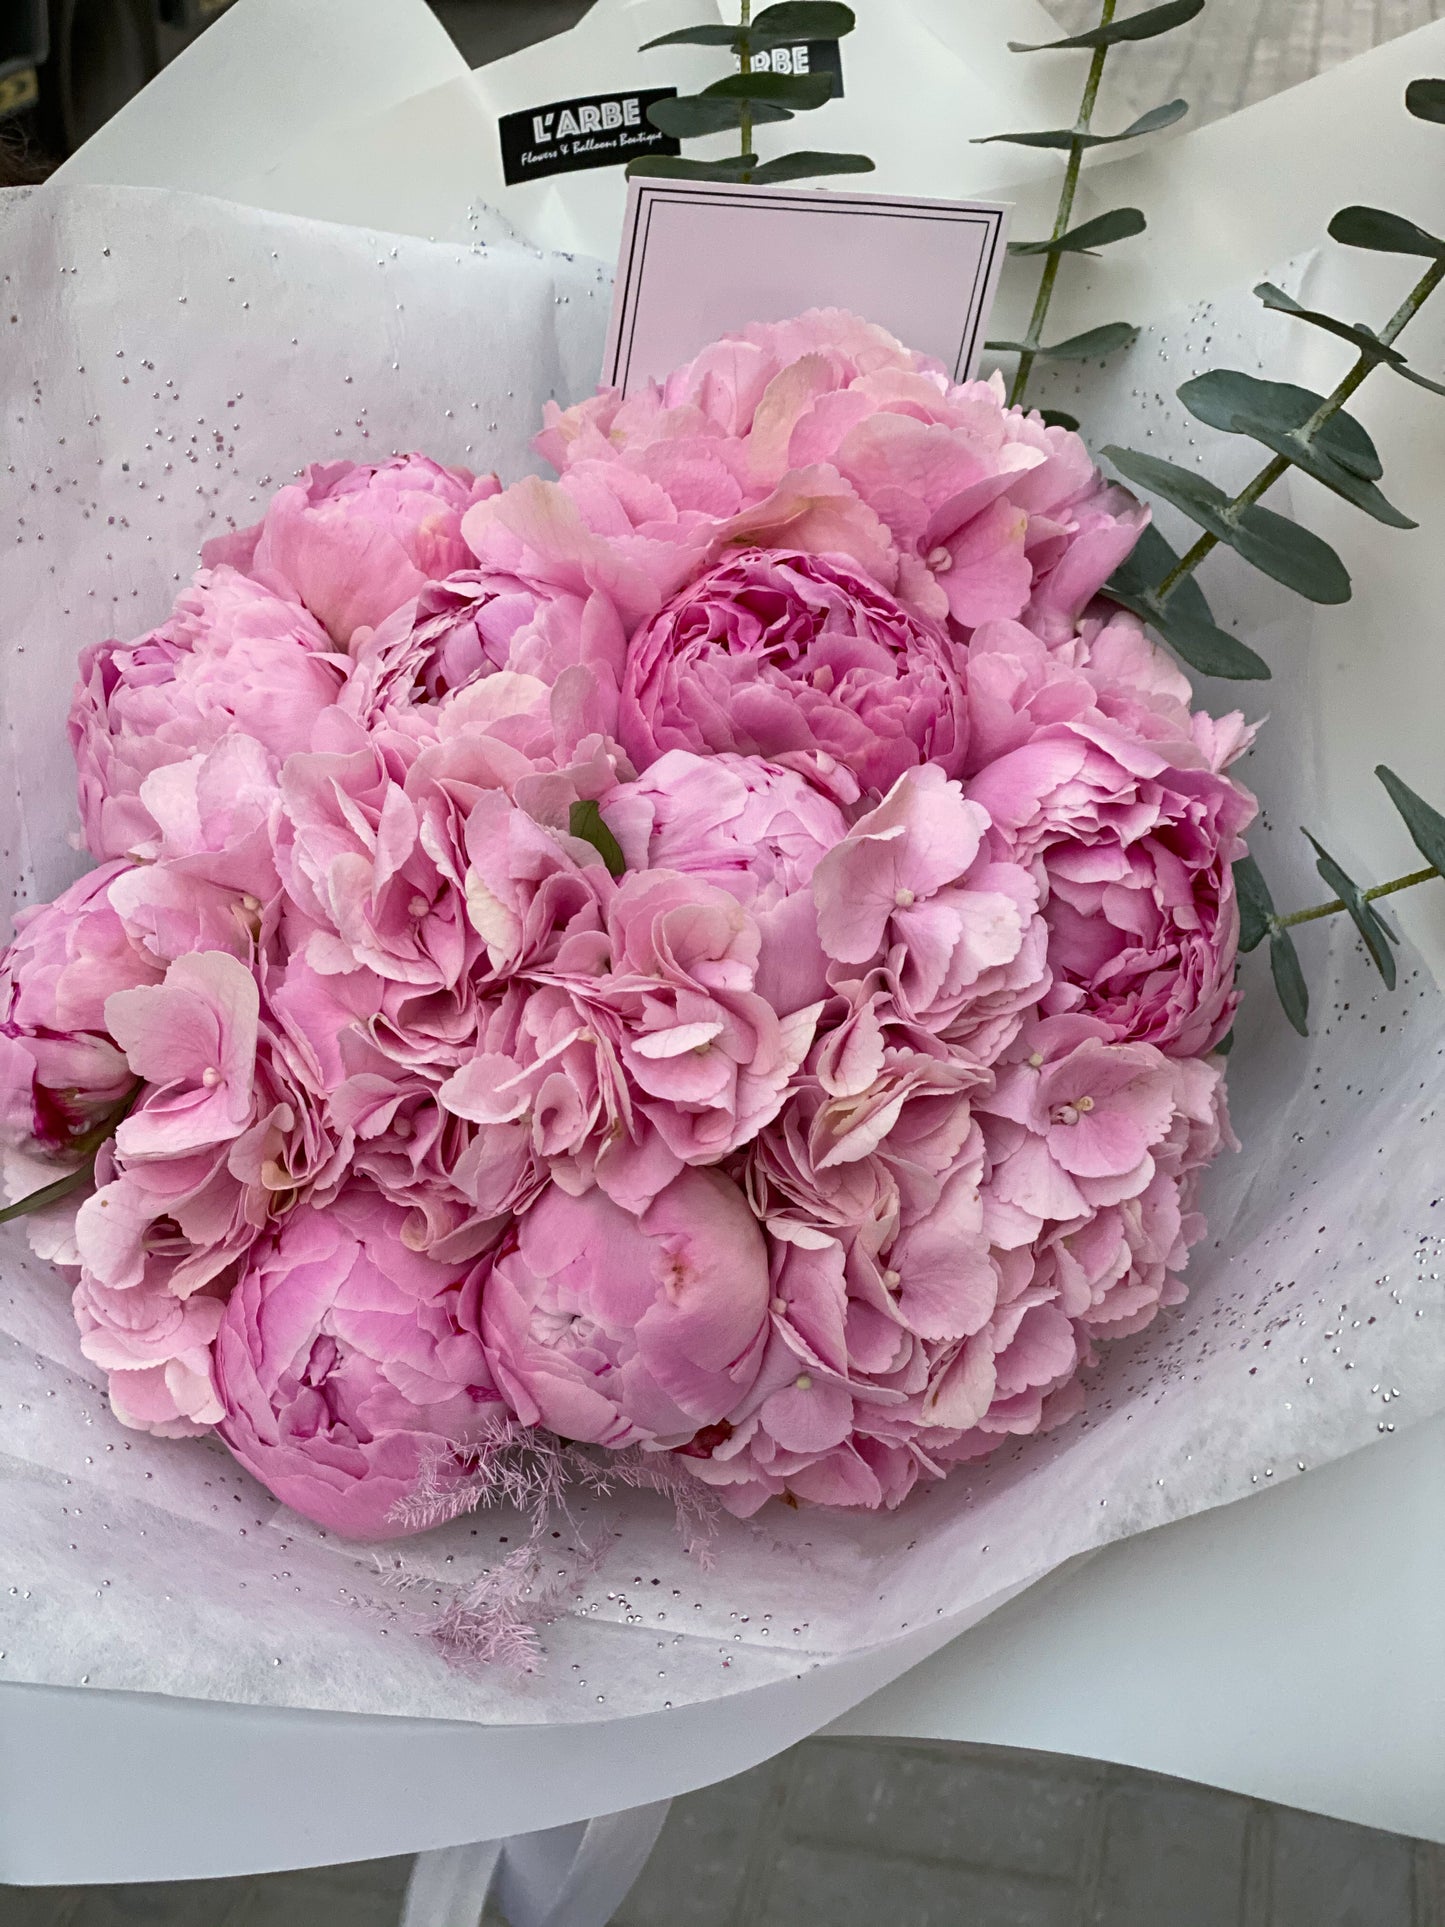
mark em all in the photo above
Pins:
pixel 710 36
pixel 51 1193
pixel 1149 123
pixel 1056 418
pixel 1107 340
pixel 1377 938
pixel 1117 225
pixel 1425 99
pixel 1224 393
pixel 808 163
pixel 1272 543
pixel 1095 341
pixel 1256 905
pixel 793 20
pixel 1139 26
pixel 733 167
pixel 585 820
pixel 1184 620
pixel 1225 1044
pixel 1365 339
pixel 1289 980
pixel 1426 825
pixel 797 92
pixel 689 115
pixel 1421 381
pixel 1275 413
pixel 1360 337
pixel 1375 227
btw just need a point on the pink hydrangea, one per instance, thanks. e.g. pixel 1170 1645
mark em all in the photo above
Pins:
pixel 344 1361
pixel 983 511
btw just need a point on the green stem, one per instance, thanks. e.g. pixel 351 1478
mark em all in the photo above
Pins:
pixel 1335 906
pixel 745 123
pixel 1034 338
pixel 1330 406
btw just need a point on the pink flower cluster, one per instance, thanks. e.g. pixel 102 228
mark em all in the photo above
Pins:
pixel 720 952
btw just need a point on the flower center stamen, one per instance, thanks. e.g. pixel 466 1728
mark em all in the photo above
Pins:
pixel 904 899
pixel 940 560
pixel 210 1077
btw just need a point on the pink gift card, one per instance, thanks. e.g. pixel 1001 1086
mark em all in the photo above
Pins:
pixel 703 259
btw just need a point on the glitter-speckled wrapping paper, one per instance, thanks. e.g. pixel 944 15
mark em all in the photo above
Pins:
pixel 174 359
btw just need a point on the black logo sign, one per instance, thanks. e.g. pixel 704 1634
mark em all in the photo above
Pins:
pixel 604 130
pixel 803 57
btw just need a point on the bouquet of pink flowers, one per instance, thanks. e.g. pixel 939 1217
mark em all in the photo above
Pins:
pixel 721 954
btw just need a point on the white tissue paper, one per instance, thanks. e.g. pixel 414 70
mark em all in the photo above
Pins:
pixel 183 357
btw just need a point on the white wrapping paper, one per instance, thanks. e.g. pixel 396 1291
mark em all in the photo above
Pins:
pixel 182 358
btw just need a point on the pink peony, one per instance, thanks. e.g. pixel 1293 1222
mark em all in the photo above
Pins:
pixel 61 1071
pixel 1136 836
pixel 232 657
pixel 799 659
pixel 352 542
pixel 614 1329
pixel 344 1360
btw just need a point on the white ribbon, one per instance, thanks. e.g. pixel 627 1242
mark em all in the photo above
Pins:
pixel 572 1876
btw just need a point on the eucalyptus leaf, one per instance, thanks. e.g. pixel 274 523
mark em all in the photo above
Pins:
pixel 1375 227
pixel 1117 225
pixel 1275 545
pixel 1362 338
pixel 1426 825
pixel 585 820
pixel 1139 26
pixel 1256 905
pixel 706 36
pixel 1222 394
pixel 807 163
pixel 1056 418
pixel 797 92
pixel 1289 980
pixel 1425 99
pixel 1184 620
pixel 1095 341
pixel 689 115
pixel 732 167
pixel 1376 937
pixel 1365 339
pixel 793 20
pixel 1421 381
pixel 1068 137
pixel 1275 413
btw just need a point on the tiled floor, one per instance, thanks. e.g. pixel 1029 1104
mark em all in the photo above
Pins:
pixel 922 1834
pixel 900 1833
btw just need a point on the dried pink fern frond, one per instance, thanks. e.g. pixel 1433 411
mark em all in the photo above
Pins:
pixel 494 1618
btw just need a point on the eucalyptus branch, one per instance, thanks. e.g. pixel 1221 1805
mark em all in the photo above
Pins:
pixel 1033 338
pixel 1337 905
pixel 1365 363
pixel 745 119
